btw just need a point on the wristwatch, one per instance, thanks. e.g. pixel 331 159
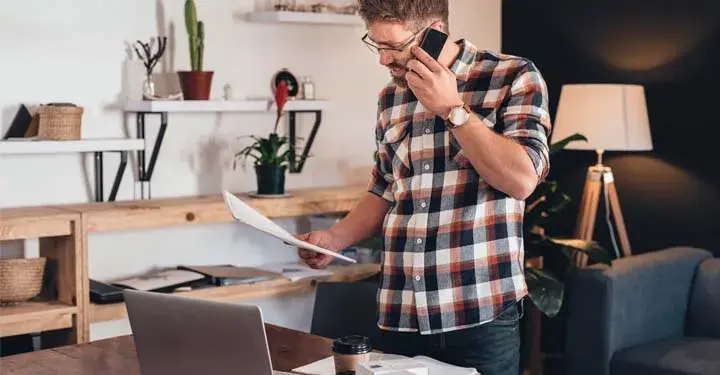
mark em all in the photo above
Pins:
pixel 458 116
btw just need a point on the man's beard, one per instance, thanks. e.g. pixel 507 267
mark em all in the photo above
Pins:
pixel 400 81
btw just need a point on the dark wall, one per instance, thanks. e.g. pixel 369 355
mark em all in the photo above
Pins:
pixel 670 196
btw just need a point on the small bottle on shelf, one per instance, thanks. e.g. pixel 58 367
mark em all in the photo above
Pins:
pixel 308 89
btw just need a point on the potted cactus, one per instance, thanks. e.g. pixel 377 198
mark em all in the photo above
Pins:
pixel 196 82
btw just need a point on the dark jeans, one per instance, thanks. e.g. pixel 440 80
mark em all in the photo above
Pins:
pixel 492 348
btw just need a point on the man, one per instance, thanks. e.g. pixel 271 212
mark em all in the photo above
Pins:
pixel 455 162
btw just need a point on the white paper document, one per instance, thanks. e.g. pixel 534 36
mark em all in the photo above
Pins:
pixel 247 215
pixel 326 366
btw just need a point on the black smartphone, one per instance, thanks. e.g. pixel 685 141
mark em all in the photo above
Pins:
pixel 433 42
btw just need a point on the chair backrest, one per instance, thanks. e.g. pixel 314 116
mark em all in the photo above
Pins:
pixel 343 308
pixel 704 312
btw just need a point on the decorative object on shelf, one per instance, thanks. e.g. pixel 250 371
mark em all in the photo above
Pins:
pixel 196 83
pixel 21 279
pixel 227 92
pixel 150 58
pixel 312 6
pixel 308 89
pixel 59 121
pixel 272 154
pixel 292 82
pixel 283 5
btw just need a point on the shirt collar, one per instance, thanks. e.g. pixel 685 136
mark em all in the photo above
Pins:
pixel 465 60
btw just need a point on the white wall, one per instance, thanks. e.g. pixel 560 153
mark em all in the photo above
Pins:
pixel 75 52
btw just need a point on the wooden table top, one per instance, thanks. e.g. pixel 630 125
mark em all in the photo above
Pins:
pixel 289 349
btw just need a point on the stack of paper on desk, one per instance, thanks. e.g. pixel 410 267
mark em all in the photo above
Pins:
pixel 326 366
pixel 246 214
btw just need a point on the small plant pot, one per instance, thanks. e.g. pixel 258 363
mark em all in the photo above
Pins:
pixel 195 85
pixel 270 179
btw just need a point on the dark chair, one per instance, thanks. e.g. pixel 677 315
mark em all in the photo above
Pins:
pixel 346 309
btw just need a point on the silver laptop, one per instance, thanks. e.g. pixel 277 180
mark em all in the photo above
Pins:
pixel 180 335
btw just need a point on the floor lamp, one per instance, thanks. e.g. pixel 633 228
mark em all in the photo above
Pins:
pixel 613 117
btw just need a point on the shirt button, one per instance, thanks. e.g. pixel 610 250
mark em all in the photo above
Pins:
pixel 417 277
pixel 423 204
pixel 419 241
pixel 427 130
pixel 427 166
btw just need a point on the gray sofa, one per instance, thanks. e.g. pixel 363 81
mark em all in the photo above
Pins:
pixel 656 313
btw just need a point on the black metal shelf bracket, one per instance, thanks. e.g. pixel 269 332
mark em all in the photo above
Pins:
pixel 145 172
pixel 296 165
pixel 99 193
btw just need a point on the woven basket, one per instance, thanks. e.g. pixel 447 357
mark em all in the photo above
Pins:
pixel 21 279
pixel 60 121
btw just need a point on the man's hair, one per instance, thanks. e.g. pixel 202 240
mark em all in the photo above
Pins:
pixel 414 12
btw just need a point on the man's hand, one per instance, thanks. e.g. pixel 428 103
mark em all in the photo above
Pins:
pixel 434 85
pixel 322 239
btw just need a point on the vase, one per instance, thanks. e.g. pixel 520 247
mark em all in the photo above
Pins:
pixel 149 89
pixel 270 179
pixel 195 85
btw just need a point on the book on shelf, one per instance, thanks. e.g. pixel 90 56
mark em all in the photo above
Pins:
pixel 227 274
pixel 161 281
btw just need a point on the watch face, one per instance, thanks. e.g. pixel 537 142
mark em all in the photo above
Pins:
pixel 458 116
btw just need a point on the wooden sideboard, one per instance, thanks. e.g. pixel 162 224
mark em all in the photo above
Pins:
pixel 63 232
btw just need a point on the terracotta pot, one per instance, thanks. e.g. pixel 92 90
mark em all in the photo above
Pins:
pixel 270 179
pixel 195 85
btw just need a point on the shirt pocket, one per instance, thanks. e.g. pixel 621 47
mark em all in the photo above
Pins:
pixel 394 142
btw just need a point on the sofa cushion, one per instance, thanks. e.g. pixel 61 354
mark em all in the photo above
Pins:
pixel 704 313
pixel 692 355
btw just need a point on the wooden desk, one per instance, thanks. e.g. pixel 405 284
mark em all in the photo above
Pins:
pixel 289 349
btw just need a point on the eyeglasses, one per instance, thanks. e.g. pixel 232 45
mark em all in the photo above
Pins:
pixel 376 49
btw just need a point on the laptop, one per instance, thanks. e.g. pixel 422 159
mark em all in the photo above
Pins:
pixel 182 335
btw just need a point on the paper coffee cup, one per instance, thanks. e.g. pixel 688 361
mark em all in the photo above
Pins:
pixel 348 351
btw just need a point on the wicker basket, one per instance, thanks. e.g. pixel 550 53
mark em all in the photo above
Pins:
pixel 60 121
pixel 21 279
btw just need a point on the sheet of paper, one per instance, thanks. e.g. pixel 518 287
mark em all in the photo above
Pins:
pixel 326 366
pixel 247 215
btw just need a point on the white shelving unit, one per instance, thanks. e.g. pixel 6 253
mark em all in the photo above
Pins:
pixel 98 146
pixel 222 105
pixel 25 146
pixel 305 18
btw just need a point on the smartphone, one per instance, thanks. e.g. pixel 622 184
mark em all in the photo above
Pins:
pixel 433 42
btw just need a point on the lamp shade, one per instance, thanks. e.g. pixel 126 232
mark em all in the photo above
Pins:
pixel 613 117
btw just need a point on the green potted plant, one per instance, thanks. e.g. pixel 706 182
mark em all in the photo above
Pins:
pixel 271 154
pixel 195 83
pixel 546 283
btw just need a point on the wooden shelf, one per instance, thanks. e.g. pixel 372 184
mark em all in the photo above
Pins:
pixel 35 222
pixel 273 288
pixel 31 317
pixel 26 146
pixel 63 231
pixel 305 18
pixel 157 213
pixel 259 105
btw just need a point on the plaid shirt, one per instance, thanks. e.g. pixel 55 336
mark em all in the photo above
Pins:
pixel 454 253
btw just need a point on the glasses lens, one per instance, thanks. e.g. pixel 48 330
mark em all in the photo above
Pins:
pixel 372 49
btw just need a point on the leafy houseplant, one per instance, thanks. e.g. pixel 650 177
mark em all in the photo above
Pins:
pixel 271 154
pixel 546 284
pixel 195 83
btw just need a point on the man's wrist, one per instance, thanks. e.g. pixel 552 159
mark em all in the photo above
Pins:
pixel 446 111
